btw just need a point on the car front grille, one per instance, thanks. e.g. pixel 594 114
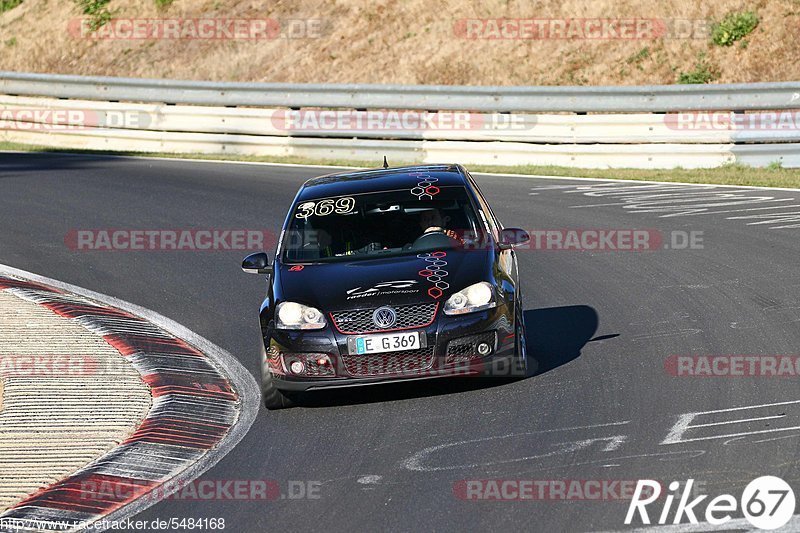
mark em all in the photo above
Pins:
pixel 465 348
pixel 359 321
pixel 389 363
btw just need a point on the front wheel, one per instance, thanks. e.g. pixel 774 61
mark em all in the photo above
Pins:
pixel 523 367
pixel 273 397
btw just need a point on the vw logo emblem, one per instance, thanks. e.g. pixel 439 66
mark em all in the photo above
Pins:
pixel 384 317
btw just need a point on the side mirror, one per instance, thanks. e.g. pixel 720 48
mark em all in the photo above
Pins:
pixel 257 263
pixel 513 237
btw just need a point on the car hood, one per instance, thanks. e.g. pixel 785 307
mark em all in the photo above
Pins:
pixel 415 278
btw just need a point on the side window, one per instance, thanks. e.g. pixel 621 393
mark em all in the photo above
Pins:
pixel 494 217
pixel 486 211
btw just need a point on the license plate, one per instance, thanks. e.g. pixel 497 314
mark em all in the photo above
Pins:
pixel 387 342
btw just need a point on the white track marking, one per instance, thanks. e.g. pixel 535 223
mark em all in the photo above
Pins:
pixel 782 437
pixel 731 409
pixel 740 421
pixel 684 424
pixel 743 434
pixel 773 219
pixel 612 443
pixel 667 201
pixel 608 183
pixel 614 181
pixel 732 525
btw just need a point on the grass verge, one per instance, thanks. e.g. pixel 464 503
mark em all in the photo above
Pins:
pixel 8 5
pixel 734 174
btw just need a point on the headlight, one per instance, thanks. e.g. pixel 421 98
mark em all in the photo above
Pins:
pixel 290 315
pixel 474 298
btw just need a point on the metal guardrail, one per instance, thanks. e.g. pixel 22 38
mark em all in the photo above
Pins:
pixel 654 156
pixel 654 98
pixel 596 128
pixel 627 126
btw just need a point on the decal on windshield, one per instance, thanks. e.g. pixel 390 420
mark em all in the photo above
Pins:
pixel 435 273
pixel 425 186
pixel 322 208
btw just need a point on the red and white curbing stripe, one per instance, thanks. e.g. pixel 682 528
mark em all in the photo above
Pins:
pixel 204 402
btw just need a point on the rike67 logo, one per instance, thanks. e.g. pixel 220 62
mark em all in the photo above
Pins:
pixel 767 503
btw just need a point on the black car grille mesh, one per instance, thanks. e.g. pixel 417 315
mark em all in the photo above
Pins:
pixel 465 348
pixel 389 363
pixel 313 368
pixel 359 321
pixel 310 363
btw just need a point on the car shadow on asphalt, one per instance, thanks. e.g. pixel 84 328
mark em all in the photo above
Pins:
pixel 554 336
pixel 27 164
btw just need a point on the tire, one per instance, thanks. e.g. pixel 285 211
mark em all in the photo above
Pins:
pixel 273 397
pixel 522 363
pixel 517 367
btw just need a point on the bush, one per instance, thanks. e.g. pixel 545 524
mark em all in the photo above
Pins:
pixel 97 11
pixel 734 27
pixel 703 72
pixel 639 56
pixel 5 5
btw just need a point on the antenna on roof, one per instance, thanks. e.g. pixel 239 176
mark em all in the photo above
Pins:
pixel 385 162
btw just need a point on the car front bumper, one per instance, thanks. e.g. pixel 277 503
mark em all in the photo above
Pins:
pixel 349 370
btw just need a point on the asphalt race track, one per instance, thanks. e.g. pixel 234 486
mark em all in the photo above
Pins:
pixel 602 325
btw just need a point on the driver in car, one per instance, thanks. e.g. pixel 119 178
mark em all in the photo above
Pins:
pixel 431 220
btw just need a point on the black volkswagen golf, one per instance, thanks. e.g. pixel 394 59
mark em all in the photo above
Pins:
pixel 389 275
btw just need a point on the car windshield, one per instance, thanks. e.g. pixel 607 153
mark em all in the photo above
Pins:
pixel 370 225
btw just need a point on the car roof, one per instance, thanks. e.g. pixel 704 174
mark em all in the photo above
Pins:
pixel 382 179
